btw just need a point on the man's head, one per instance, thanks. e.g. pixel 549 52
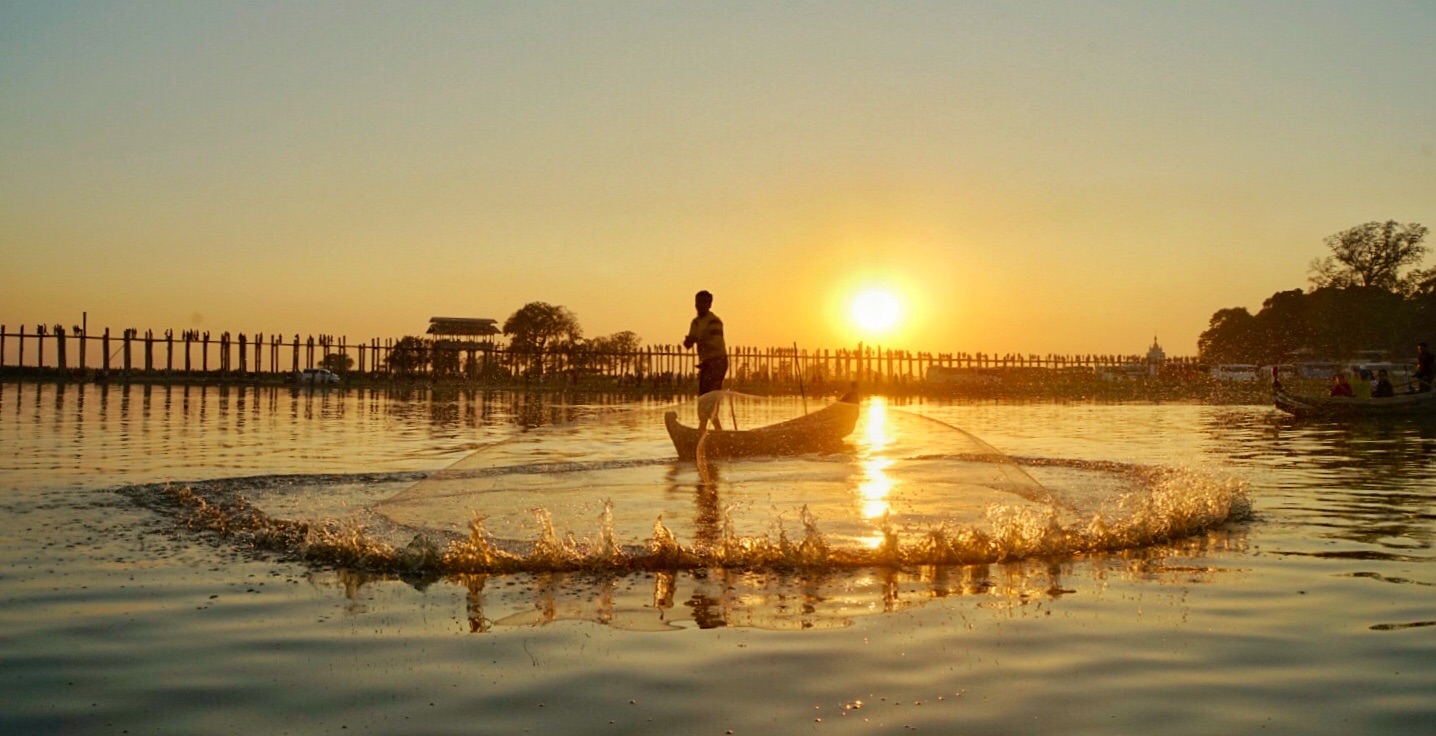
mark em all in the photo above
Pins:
pixel 703 301
pixel 1421 346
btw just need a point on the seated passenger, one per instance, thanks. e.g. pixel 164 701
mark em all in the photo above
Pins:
pixel 1340 386
pixel 1383 386
pixel 1360 384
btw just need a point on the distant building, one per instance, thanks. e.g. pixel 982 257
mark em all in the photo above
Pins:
pixel 1136 370
pixel 1156 356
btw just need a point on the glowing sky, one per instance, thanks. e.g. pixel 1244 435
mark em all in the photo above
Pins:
pixel 1035 177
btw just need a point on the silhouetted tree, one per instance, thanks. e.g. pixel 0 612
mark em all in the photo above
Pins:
pixel 1341 322
pixel 337 362
pixel 617 350
pixel 1370 255
pixel 409 355
pixel 444 357
pixel 1360 300
pixel 539 326
pixel 1283 327
pixel 1230 337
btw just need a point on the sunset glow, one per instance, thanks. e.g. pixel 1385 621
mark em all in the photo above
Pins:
pixel 876 312
pixel 1119 182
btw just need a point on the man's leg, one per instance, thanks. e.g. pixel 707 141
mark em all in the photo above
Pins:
pixel 710 379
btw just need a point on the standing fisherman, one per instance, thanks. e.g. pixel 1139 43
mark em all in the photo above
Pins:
pixel 1424 368
pixel 706 331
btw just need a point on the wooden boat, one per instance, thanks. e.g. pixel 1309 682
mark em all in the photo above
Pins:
pixel 1416 404
pixel 821 431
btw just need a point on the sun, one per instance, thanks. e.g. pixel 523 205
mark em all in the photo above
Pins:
pixel 876 311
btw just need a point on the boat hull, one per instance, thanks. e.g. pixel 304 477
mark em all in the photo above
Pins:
pixel 820 432
pixel 1420 404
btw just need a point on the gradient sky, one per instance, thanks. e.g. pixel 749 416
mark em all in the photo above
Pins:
pixel 1066 177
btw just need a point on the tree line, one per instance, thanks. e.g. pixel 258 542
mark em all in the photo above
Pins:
pixel 538 329
pixel 1368 294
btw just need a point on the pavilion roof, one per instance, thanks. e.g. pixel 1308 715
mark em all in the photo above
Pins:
pixel 463 326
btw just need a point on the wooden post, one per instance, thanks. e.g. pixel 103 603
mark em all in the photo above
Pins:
pixel 22 346
pixel 169 351
pixel 2 346
pixel 204 352
pixel 60 346
pixel 243 354
pixel 149 350
pixel 128 346
pixel 105 346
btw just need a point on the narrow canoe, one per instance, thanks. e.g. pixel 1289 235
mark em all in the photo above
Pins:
pixel 821 431
pixel 1421 404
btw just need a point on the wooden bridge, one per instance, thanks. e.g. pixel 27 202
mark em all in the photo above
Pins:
pixel 55 352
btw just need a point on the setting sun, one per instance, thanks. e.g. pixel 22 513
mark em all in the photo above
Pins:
pixel 876 311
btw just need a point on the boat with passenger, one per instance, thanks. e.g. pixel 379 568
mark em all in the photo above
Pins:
pixel 1337 407
pixel 819 432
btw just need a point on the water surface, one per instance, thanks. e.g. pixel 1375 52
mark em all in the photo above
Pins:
pixel 1313 616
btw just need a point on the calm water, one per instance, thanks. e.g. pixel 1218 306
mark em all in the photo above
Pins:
pixel 1316 615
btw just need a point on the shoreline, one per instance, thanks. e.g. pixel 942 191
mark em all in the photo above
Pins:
pixel 1025 386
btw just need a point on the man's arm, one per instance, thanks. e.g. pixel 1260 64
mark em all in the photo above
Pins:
pixel 691 338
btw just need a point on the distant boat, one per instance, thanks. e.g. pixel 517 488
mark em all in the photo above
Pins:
pixel 1335 407
pixel 821 431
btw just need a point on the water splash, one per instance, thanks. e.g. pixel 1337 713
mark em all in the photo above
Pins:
pixel 1176 504
pixel 610 497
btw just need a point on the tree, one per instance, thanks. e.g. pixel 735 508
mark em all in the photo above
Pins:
pixel 538 326
pixel 409 355
pixel 1282 327
pixel 1371 255
pixel 618 350
pixel 445 357
pixel 337 362
pixel 1229 338
pixel 1343 322
pixel 619 343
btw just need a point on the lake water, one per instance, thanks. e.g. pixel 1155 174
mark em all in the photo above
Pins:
pixel 1313 611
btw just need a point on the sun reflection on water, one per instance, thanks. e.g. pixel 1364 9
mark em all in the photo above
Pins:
pixel 875 486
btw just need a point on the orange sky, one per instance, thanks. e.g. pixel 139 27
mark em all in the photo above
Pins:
pixel 1035 177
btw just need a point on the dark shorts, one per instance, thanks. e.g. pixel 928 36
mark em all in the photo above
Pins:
pixel 710 374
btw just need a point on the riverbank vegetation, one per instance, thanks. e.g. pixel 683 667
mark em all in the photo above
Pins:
pixel 1368 296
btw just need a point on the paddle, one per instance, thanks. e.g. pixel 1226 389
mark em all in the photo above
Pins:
pixel 801 392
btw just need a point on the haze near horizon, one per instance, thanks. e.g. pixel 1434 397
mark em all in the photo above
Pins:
pixel 1031 177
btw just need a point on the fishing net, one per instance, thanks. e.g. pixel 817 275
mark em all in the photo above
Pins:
pixel 613 480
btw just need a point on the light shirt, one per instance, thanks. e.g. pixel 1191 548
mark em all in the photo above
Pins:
pixel 707 332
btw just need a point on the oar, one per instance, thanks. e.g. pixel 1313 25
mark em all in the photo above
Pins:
pixel 801 392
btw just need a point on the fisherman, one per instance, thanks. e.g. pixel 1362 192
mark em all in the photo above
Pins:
pixel 706 331
pixel 1340 386
pixel 1424 368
